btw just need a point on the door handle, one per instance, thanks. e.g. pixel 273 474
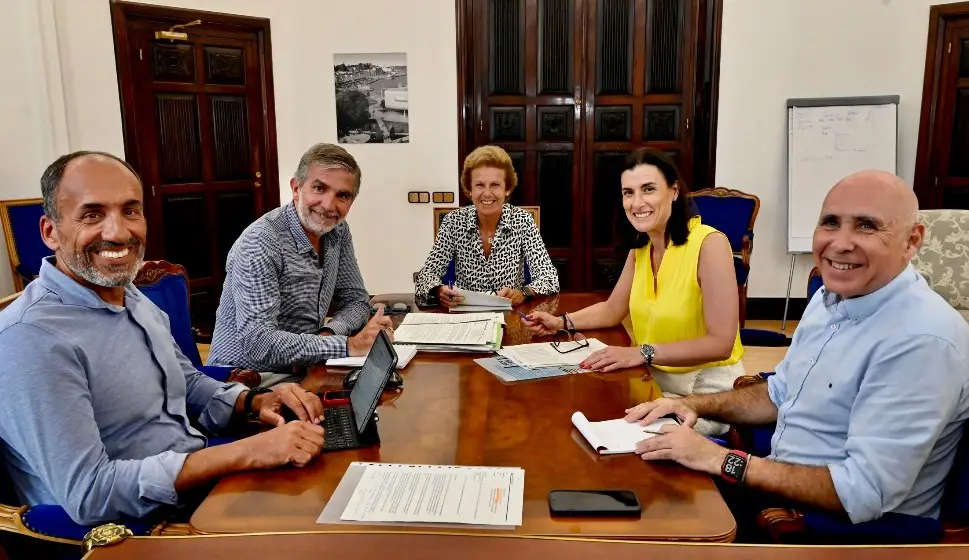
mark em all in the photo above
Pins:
pixel 257 184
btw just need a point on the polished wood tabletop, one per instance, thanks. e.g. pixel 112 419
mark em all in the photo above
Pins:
pixel 452 411
pixel 434 547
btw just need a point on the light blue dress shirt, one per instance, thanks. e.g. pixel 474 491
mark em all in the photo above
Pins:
pixel 96 400
pixel 877 389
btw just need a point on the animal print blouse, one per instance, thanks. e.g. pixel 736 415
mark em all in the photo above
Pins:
pixel 517 243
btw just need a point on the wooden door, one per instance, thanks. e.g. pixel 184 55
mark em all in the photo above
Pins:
pixel 528 57
pixel 638 92
pixel 199 128
pixel 569 88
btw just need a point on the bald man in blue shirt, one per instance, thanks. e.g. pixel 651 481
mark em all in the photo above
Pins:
pixel 872 397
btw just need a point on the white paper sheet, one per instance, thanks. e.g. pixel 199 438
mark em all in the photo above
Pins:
pixel 405 354
pixel 616 436
pixel 440 318
pixel 438 494
pixel 482 298
pixel 542 354
pixel 475 333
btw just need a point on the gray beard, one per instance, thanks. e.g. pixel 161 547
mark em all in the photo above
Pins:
pixel 80 264
pixel 306 218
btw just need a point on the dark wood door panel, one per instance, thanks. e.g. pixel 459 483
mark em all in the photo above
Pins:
pixel 568 88
pixel 199 127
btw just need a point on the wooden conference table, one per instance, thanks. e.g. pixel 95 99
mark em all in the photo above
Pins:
pixel 452 411
pixel 433 547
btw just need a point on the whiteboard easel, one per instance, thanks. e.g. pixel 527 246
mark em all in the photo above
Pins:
pixel 827 140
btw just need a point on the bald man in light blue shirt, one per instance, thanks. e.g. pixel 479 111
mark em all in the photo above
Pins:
pixel 871 400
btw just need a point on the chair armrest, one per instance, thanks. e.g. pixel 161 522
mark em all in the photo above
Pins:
pixel 53 521
pixel 783 525
pixel 227 374
pixel 745 380
pixel 793 526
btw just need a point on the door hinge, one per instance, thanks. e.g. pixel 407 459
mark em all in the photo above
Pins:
pixel 153 190
pixel 141 55
pixel 937 181
pixel 688 123
pixel 481 124
pixel 949 49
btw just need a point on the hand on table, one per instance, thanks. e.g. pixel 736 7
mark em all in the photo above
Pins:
pixel 514 294
pixel 360 343
pixel 295 443
pixel 449 297
pixel 648 412
pixel 686 447
pixel 612 358
pixel 306 405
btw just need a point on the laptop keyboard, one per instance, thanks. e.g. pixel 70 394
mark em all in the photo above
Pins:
pixel 338 424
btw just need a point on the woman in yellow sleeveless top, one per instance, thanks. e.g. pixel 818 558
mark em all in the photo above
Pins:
pixel 678 287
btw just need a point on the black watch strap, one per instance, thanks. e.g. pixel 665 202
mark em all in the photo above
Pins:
pixel 247 404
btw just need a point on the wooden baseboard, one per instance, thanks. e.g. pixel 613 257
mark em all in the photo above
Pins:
pixel 773 308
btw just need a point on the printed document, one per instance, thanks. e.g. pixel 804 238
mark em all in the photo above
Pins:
pixel 404 355
pixel 543 354
pixel 438 493
pixel 480 301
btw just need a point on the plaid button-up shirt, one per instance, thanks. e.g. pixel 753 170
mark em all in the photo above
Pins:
pixel 277 293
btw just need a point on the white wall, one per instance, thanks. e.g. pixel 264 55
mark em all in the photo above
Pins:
pixel 779 49
pixel 60 53
pixel 391 236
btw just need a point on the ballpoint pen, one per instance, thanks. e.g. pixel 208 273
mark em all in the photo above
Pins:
pixel 523 316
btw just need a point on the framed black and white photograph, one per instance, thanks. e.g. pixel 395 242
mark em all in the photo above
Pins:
pixel 371 98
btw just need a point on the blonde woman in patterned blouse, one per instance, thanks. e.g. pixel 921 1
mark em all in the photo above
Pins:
pixel 490 242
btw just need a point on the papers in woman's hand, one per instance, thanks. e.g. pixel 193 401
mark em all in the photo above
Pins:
pixel 616 436
pixel 404 355
pixel 480 301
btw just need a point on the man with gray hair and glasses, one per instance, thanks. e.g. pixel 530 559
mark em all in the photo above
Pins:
pixel 290 268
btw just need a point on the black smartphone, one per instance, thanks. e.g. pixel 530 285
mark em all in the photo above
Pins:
pixel 593 503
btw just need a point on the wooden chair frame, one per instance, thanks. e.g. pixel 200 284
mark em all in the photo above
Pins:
pixel 748 242
pixel 5 205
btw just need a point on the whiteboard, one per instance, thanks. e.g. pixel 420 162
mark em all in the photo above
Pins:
pixel 829 139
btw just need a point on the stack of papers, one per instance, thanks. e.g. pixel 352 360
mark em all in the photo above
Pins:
pixel 544 355
pixel 616 436
pixel 404 355
pixel 475 302
pixel 437 332
pixel 435 494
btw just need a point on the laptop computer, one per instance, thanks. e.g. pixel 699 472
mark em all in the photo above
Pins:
pixel 352 426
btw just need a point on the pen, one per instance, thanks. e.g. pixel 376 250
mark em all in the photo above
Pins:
pixel 523 316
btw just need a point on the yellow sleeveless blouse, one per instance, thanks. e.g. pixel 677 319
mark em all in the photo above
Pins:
pixel 674 310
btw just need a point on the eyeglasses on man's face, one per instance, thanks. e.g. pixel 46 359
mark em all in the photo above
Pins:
pixel 569 341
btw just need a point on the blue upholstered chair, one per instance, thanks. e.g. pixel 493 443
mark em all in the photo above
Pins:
pixel 21 230
pixel 807 526
pixel 732 212
pixel 166 285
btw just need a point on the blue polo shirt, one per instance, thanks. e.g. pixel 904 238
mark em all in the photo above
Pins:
pixel 97 400
pixel 876 388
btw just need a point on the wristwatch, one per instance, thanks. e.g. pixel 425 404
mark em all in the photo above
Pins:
pixel 734 468
pixel 648 352
pixel 247 404
pixel 528 293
